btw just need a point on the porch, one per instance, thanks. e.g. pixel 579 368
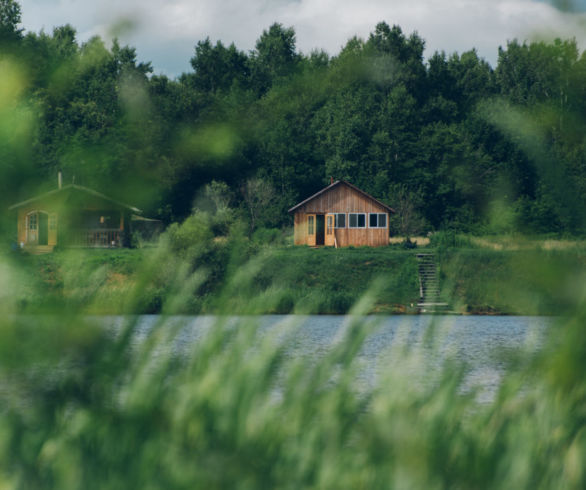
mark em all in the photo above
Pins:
pixel 95 238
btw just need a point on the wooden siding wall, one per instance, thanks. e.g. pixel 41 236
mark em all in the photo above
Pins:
pixel 371 237
pixel 300 229
pixel 343 199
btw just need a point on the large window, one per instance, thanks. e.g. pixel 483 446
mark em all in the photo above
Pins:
pixel 310 225
pixel 357 220
pixel 377 220
pixel 340 220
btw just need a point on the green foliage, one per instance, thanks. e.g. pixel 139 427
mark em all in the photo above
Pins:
pixel 408 244
pixel 450 142
pixel 259 196
pixel 193 233
pixel 274 58
pixel 218 68
pixel 268 236
pixel 328 280
pixel 527 282
pixel 447 239
pixel 10 17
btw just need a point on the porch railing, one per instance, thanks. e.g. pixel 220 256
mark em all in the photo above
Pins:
pixel 102 238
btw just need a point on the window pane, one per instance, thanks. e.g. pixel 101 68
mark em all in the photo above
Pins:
pixel 310 225
pixel 340 220
pixel 372 221
pixel 357 220
pixel 382 220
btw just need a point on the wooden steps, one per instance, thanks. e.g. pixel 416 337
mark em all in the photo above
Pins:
pixel 429 290
pixel 38 249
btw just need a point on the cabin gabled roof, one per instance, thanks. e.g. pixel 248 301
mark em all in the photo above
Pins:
pixel 77 188
pixel 335 184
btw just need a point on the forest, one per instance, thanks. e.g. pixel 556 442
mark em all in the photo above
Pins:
pixel 449 141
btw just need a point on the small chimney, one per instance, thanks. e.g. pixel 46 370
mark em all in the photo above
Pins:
pixel 331 180
pixel 59 179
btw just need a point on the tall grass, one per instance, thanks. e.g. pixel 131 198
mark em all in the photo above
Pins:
pixel 87 405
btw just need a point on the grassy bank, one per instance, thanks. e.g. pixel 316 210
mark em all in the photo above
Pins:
pixel 328 280
pixel 280 279
pixel 520 282
pixel 72 278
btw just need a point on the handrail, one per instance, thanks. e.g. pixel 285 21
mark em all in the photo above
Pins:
pixel 96 237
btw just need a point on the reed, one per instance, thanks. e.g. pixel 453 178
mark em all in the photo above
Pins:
pixel 97 403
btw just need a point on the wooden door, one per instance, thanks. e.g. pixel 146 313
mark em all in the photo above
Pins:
pixel 43 228
pixel 330 230
pixel 311 230
pixel 320 229
pixel 32 228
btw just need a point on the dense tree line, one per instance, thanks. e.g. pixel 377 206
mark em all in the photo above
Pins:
pixel 449 141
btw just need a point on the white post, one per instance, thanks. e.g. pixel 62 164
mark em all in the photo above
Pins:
pixel 59 179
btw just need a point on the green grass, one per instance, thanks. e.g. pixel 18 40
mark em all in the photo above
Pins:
pixel 529 282
pixel 282 279
pixel 328 280
pixel 295 278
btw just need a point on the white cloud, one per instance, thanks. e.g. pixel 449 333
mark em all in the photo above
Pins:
pixel 165 31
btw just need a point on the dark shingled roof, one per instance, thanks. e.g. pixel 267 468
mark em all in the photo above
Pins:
pixel 340 182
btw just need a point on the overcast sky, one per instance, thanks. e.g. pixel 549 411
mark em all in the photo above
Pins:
pixel 166 31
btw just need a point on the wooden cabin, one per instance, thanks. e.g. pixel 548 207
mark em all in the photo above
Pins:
pixel 341 215
pixel 72 216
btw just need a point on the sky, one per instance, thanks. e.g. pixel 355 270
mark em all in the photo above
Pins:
pixel 165 32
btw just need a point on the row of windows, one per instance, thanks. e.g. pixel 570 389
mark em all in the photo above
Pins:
pixel 355 220
pixel 358 220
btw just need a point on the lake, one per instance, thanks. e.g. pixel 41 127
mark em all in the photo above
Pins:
pixel 483 343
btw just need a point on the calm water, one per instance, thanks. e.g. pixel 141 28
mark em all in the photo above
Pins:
pixel 481 342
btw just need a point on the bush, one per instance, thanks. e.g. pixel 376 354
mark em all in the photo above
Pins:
pixel 268 236
pixel 449 239
pixel 194 231
pixel 408 244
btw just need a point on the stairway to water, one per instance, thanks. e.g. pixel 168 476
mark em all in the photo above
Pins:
pixel 429 290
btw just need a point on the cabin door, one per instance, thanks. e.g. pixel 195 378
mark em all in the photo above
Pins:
pixel 330 236
pixel 43 228
pixel 311 230
pixel 32 228
pixel 320 229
